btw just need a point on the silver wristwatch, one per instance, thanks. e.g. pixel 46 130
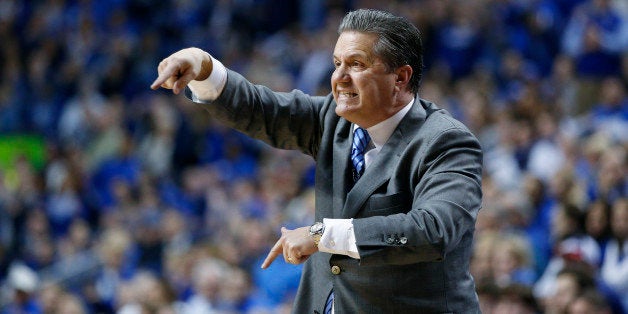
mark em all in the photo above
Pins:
pixel 316 231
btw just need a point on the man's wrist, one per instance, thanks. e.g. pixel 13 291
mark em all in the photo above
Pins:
pixel 206 67
pixel 210 88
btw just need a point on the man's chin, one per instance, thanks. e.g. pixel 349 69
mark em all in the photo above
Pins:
pixel 342 110
pixel 346 112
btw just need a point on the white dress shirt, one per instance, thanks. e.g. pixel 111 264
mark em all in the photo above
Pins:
pixel 339 236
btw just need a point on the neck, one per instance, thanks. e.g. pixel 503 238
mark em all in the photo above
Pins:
pixel 401 101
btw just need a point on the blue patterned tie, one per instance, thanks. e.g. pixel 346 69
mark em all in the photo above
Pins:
pixel 329 304
pixel 361 139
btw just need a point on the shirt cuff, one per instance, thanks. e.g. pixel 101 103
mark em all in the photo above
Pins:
pixel 210 88
pixel 339 238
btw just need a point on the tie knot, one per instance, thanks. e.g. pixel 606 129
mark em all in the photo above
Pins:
pixel 361 139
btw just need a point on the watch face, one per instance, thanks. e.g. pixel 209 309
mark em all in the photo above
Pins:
pixel 316 228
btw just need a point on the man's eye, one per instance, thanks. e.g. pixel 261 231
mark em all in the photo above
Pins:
pixel 336 64
pixel 356 64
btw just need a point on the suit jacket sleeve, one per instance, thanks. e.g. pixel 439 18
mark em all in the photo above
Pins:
pixel 445 179
pixel 283 120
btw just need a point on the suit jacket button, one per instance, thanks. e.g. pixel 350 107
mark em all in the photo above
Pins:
pixel 335 270
pixel 390 240
pixel 403 240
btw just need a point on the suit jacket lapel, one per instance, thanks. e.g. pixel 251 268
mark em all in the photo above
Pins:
pixel 342 178
pixel 382 167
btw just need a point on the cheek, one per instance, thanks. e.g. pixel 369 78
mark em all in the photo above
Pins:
pixel 382 87
pixel 333 79
pixel 372 88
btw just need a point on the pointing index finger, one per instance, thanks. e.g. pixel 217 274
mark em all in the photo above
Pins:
pixel 165 74
pixel 274 252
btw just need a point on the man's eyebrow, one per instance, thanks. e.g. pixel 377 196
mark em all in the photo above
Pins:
pixel 355 55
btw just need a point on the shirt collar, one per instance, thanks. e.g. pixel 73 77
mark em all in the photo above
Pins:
pixel 381 132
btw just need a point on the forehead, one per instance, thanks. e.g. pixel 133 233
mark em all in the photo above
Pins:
pixel 352 43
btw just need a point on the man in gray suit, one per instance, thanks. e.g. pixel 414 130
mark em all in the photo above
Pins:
pixel 398 180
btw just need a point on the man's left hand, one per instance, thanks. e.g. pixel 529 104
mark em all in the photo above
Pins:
pixel 295 245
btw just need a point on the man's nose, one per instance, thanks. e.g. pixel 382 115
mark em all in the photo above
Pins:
pixel 341 74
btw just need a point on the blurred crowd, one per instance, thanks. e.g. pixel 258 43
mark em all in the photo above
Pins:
pixel 142 203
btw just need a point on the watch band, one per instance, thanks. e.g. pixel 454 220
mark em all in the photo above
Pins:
pixel 316 231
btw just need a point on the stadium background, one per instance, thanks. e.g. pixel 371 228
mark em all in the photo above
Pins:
pixel 116 198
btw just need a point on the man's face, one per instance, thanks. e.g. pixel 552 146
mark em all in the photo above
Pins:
pixel 362 86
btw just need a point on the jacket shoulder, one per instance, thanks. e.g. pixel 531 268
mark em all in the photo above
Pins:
pixel 440 120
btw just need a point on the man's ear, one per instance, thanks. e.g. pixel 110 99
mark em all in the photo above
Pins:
pixel 404 73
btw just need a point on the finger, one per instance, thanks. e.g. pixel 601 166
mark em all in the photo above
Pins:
pixel 183 81
pixel 297 256
pixel 169 83
pixel 274 252
pixel 161 81
pixel 286 247
pixel 286 255
pixel 301 259
pixel 270 258
pixel 167 72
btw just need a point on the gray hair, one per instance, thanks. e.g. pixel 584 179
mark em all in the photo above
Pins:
pixel 399 41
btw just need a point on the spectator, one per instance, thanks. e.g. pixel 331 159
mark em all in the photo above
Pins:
pixel 516 299
pixel 538 226
pixel 114 246
pixel 589 302
pixel 207 275
pixel 459 42
pixel 561 87
pixel 145 291
pixel 570 282
pixel 611 183
pixel 71 304
pixel 82 114
pixel 610 114
pixel 615 264
pixel 596 35
pixel 488 295
pixel 482 261
pixel 512 262
pixel 22 283
pixel 157 147
pixel 597 222
pixel 571 245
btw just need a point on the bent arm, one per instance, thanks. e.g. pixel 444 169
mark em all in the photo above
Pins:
pixel 445 204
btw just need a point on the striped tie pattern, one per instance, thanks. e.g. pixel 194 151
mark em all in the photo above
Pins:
pixel 361 139
pixel 330 302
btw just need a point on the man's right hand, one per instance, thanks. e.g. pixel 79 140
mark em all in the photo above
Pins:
pixel 179 69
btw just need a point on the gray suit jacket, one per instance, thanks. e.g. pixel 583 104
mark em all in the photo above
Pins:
pixel 414 208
